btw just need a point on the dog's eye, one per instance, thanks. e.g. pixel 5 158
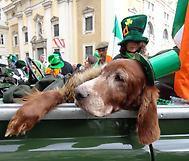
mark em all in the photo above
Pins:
pixel 119 78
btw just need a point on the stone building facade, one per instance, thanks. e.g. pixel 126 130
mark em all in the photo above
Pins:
pixel 38 27
pixel 75 27
pixel 160 15
pixel 3 30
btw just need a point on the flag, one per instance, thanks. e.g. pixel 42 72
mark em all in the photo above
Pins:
pixel 59 42
pixel 116 37
pixel 180 34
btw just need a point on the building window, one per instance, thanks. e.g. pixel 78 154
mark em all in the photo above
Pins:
pixel 150 6
pixel 1 39
pixel 88 20
pixel 15 40
pixel 40 51
pixel 89 23
pixel 56 30
pixel 166 16
pixel 88 50
pixel 55 26
pixel 150 30
pixel 39 28
pixel 38 19
pixel 26 37
pixel 25 32
pixel 0 14
pixel 165 34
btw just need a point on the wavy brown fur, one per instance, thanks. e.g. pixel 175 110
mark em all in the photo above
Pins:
pixel 37 105
pixel 147 119
pixel 67 91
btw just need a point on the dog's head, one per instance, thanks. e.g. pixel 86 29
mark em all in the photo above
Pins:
pixel 119 85
pixel 122 84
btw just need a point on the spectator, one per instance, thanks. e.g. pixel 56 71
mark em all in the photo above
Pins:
pixel 67 68
pixel 12 59
pixel 102 48
pixel 55 65
pixel 43 62
pixel 133 39
pixel 90 61
pixel 78 68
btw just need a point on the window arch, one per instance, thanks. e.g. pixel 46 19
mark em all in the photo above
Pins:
pixel 55 26
pixel 15 38
pixel 25 32
pixel 150 30
pixel 39 28
pixel 165 34
pixel 39 24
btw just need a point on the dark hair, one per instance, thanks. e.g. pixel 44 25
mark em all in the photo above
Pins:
pixel 56 52
pixel 78 66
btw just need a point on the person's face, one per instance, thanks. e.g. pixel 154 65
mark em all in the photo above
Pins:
pixel 130 46
pixel 11 63
pixel 42 58
pixel 102 52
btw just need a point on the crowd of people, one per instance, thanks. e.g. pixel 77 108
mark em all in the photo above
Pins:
pixel 55 65
pixel 133 42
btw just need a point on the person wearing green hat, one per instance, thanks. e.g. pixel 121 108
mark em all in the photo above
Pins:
pixel 55 65
pixel 133 40
pixel 13 64
pixel 58 66
pixel 67 68
pixel 12 59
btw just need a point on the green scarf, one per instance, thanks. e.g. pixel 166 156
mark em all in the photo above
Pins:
pixel 128 55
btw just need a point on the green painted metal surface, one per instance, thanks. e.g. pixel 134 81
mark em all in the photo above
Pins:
pixel 94 139
pixel 71 135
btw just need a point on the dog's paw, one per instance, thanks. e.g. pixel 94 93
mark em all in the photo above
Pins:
pixel 22 122
pixel 32 111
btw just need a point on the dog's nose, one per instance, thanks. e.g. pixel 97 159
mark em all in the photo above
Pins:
pixel 79 95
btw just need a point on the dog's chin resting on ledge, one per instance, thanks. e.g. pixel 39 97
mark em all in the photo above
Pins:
pixel 120 84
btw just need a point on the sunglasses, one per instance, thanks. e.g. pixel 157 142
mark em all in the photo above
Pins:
pixel 102 49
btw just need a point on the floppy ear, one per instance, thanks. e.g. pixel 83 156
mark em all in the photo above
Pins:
pixel 147 119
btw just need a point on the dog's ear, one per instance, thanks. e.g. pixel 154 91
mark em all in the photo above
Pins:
pixel 147 119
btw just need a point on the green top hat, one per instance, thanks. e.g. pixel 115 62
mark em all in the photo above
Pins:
pixel 12 58
pixel 133 27
pixel 55 61
pixel 159 65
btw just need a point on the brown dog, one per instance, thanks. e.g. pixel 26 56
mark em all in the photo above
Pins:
pixel 120 84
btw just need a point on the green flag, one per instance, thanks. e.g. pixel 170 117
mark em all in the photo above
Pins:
pixel 116 37
pixel 178 24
